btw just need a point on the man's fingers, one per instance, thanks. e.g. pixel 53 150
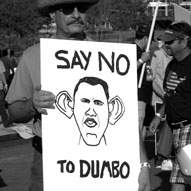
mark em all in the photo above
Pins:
pixel 42 111
pixel 141 188
pixel 46 96
pixel 153 129
pixel 43 100
pixel 45 104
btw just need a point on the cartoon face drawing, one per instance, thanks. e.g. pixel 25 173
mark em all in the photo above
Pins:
pixel 91 108
pixel 91 112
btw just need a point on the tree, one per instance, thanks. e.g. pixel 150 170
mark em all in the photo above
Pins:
pixel 121 14
pixel 20 16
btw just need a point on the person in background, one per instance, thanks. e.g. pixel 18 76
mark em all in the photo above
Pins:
pixel 145 91
pixel 13 59
pixel 9 69
pixel 158 64
pixel 177 99
pixel 3 90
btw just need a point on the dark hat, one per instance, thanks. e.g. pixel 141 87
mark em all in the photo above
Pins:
pixel 170 35
pixel 143 29
pixel 176 30
pixel 46 6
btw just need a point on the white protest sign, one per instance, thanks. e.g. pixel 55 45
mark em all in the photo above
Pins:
pixel 90 139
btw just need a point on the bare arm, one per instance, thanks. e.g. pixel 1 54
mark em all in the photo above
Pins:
pixel 157 119
pixel 144 58
pixel 3 79
pixel 157 89
pixel 143 154
pixel 144 175
pixel 22 111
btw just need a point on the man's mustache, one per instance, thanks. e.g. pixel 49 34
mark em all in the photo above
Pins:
pixel 78 21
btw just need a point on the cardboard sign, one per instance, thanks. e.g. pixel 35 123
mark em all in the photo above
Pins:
pixel 90 139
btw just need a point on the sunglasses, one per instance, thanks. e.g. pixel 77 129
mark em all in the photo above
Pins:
pixel 172 41
pixel 69 9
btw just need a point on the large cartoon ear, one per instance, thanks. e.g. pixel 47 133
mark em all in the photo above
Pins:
pixel 64 103
pixel 116 108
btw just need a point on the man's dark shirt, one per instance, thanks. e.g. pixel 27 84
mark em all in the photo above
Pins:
pixel 177 85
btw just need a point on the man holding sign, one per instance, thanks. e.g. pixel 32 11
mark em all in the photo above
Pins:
pixel 26 99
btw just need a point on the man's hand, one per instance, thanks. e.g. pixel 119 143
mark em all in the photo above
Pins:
pixel 144 179
pixel 154 124
pixel 149 73
pixel 146 56
pixel 42 100
pixel 5 88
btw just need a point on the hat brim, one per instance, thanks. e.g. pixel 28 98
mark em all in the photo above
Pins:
pixel 166 37
pixel 47 6
pixel 170 35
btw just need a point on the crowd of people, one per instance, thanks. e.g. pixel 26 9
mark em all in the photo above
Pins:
pixel 8 65
pixel 168 86
pixel 166 82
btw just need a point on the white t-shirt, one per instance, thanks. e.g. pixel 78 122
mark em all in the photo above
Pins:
pixel 159 63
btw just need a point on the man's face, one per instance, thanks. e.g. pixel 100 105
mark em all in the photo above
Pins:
pixel 168 51
pixel 71 19
pixel 91 112
pixel 173 47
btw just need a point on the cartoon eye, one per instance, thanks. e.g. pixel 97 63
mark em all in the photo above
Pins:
pixel 98 102
pixel 85 100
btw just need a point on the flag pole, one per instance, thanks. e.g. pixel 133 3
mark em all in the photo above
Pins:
pixel 149 42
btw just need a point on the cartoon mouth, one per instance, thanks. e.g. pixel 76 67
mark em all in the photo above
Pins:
pixel 90 122
pixel 91 135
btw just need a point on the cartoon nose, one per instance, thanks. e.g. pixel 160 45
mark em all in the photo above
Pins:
pixel 91 112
